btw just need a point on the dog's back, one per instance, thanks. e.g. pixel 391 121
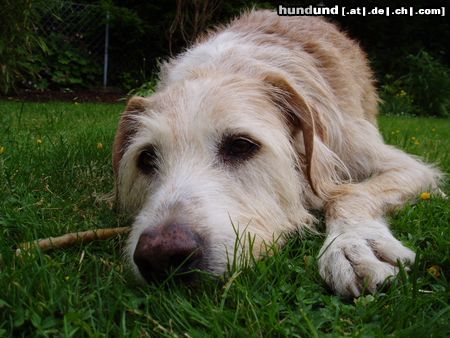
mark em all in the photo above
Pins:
pixel 300 47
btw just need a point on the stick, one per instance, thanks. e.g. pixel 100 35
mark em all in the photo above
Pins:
pixel 70 239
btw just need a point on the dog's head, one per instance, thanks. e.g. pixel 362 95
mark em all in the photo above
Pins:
pixel 209 162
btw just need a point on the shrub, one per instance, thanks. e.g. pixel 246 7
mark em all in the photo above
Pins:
pixel 65 66
pixel 424 90
pixel 18 42
pixel 145 89
pixel 32 58
pixel 395 100
pixel 428 81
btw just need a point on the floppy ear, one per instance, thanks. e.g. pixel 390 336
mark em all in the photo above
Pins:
pixel 127 128
pixel 300 115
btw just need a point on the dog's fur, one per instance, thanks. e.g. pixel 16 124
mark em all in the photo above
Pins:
pixel 303 91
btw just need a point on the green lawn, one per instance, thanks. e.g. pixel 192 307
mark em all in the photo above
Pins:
pixel 55 169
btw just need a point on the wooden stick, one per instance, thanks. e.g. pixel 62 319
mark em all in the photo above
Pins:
pixel 70 239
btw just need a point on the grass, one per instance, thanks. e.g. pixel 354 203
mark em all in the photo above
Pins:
pixel 52 171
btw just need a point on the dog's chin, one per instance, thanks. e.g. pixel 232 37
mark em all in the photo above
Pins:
pixel 190 273
pixel 191 278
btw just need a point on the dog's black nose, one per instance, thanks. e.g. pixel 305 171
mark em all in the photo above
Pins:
pixel 173 247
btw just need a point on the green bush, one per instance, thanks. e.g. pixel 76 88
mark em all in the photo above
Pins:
pixel 396 101
pixel 428 81
pixel 146 89
pixel 29 59
pixel 424 90
pixel 65 66
pixel 19 42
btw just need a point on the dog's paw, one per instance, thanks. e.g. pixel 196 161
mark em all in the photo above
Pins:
pixel 351 262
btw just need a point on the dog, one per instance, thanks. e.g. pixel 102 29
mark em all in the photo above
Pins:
pixel 257 125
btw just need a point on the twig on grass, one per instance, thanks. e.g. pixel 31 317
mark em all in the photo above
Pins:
pixel 70 239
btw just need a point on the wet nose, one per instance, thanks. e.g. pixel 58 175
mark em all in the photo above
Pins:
pixel 173 247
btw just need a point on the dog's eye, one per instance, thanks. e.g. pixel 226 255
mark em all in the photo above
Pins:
pixel 147 160
pixel 235 148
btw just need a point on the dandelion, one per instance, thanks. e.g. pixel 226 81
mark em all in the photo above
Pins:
pixel 413 138
pixel 434 270
pixel 433 130
pixel 100 146
pixel 417 142
pixel 39 141
pixel 66 278
pixel 425 195
pixel 2 150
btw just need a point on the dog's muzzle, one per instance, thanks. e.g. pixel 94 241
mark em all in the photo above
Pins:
pixel 172 248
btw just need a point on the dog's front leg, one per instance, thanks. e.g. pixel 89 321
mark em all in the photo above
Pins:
pixel 360 252
pixel 359 255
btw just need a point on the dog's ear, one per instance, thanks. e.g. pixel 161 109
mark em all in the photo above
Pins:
pixel 127 128
pixel 299 115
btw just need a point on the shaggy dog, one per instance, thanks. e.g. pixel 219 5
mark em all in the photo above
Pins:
pixel 252 128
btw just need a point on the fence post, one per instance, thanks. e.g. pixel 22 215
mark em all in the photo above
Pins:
pixel 106 55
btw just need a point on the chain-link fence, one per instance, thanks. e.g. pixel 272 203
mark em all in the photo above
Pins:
pixel 83 26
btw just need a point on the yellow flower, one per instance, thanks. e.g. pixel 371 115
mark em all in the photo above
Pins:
pixel 434 270
pixel 100 146
pixel 76 103
pixel 39 141
pixel 66 278
pixel 434 129
pixel 2 150
pixel 417 143
pixel 425 195
pixel 413 138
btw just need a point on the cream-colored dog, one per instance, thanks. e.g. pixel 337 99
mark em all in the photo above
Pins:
pixel 257 124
